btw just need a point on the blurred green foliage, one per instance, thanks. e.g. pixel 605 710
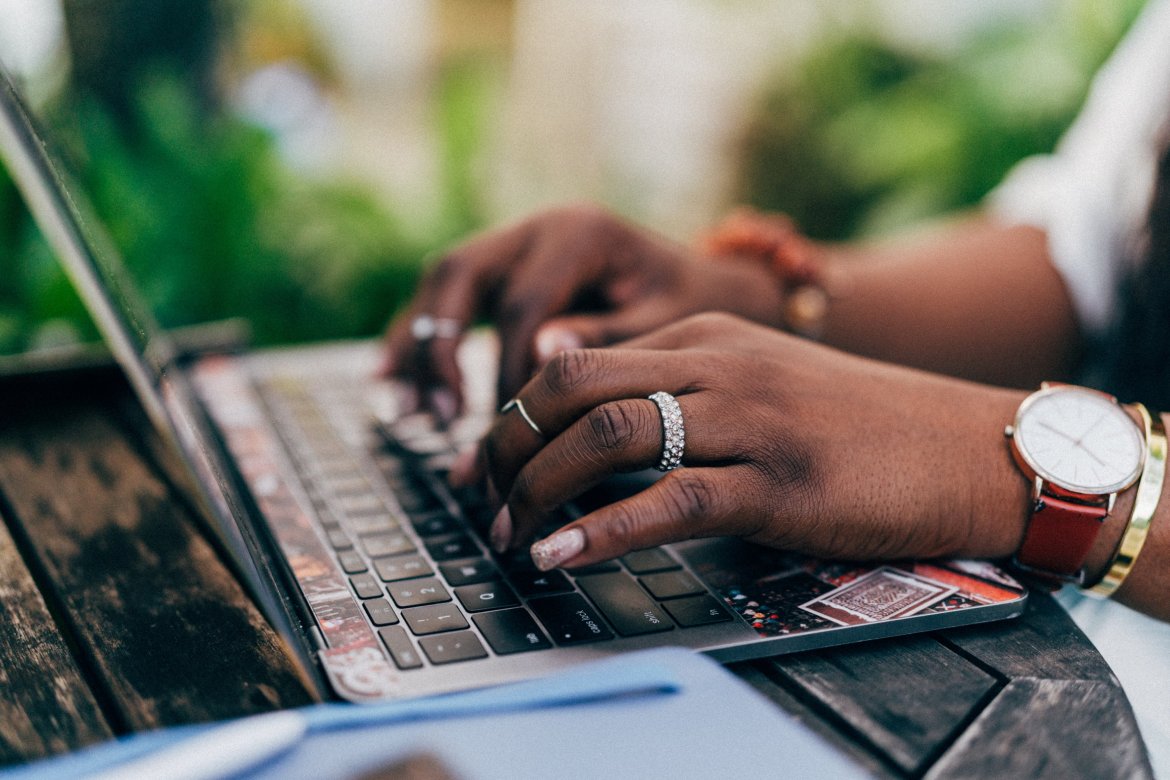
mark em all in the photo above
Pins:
pixel 864 137
pixel 212 224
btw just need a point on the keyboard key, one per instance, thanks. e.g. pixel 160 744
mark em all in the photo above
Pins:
pixel 629 610
pixel 435 524
pixel 450 648
pixel 367 504
pixel 325 518
pixel 439 465
pixel 426 444
pixel 418 500
pixel 371 524
pixel 415 593
pixel 402 567
pixel 697 611
pixel 570 619
pixel 365 586
pixel 380 612
pixel 447 548
pixel 469 572
pixel 605 567
pixel 511 631
pixel 401 649
pixel 541 583
pixel 339 540
pixel 411 425
pixel 672 585
pixel 486 595
pixel 516 561
pixel 479 517
pixel 347 484
pixel 393 543
pixel 647 561
pixel 470 499
pixel 351 562
pixel 434 619
pixel 334 462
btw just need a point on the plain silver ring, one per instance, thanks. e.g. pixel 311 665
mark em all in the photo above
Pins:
pixel 518 405
pixel 424 327
pixel 674 437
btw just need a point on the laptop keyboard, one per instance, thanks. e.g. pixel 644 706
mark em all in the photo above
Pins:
pixel 416 556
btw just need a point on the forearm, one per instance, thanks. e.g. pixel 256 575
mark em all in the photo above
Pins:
pixel 975 299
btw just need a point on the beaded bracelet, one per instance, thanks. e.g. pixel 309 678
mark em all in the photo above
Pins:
pixel 792 256
pixel 1145 503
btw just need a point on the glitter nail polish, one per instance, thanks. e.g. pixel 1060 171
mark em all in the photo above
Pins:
pixel 552 552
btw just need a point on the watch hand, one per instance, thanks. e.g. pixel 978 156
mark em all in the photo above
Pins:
pixel 1059 432
pixel 1089 452
pixel 1090 428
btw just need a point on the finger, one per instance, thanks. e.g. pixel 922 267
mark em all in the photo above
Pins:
pixel 453 289
pixel 685 504
pixel 600 330
pixel 435 382
pixel 568 387
pixel 464 468
pixel 561 266
pixel 708 330
pixel 616 437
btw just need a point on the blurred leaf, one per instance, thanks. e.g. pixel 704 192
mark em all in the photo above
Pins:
pixel 865 137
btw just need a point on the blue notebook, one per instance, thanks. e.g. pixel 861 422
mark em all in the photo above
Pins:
pixel 659 713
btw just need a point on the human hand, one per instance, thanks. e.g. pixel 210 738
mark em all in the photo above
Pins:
pixel 564 279
pixel 788 444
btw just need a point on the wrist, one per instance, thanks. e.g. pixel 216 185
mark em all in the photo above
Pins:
pixel 740 286
pixel 998 497
pixel 1081 451
pixel 798 267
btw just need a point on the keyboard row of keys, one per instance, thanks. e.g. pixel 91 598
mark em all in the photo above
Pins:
pixel 492 593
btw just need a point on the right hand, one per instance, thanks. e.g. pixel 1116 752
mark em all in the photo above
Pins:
pixel 563 279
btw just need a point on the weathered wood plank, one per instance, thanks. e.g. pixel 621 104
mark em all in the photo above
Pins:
pixel 1044 643
pixel 171 634
pixel 907 697
pixel 1050 729
pixel 752 672
pixel 45 705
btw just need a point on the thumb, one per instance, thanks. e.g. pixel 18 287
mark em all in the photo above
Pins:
pixel 595 330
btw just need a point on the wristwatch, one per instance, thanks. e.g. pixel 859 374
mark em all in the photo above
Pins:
pixel 1079 448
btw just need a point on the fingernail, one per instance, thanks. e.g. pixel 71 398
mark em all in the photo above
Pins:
pixel 386 367
pixel 551 341
pixel 443 403
pixel 462 472
pixel 501 533
pixel 552 552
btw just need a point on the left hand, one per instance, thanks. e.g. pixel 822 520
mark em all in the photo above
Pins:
pixel 788 444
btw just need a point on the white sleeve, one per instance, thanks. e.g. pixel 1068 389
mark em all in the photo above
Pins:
pixel 1092 194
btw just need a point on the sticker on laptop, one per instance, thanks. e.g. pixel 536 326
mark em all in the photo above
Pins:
pixel 883 594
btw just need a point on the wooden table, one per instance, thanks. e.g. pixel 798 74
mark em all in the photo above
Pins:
pixel 117 615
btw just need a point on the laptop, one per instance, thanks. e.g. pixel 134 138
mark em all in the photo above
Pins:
pixel 333 507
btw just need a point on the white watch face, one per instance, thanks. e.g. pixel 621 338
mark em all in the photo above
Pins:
pixel 1079 440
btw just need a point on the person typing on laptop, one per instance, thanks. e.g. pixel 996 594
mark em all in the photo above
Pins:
pixel 887 438
pixel 788 443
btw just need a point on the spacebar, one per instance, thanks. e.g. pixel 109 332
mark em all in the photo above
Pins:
pixel 627 607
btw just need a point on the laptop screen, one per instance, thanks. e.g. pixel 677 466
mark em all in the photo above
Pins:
pixel 127 326
pixel 145 353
